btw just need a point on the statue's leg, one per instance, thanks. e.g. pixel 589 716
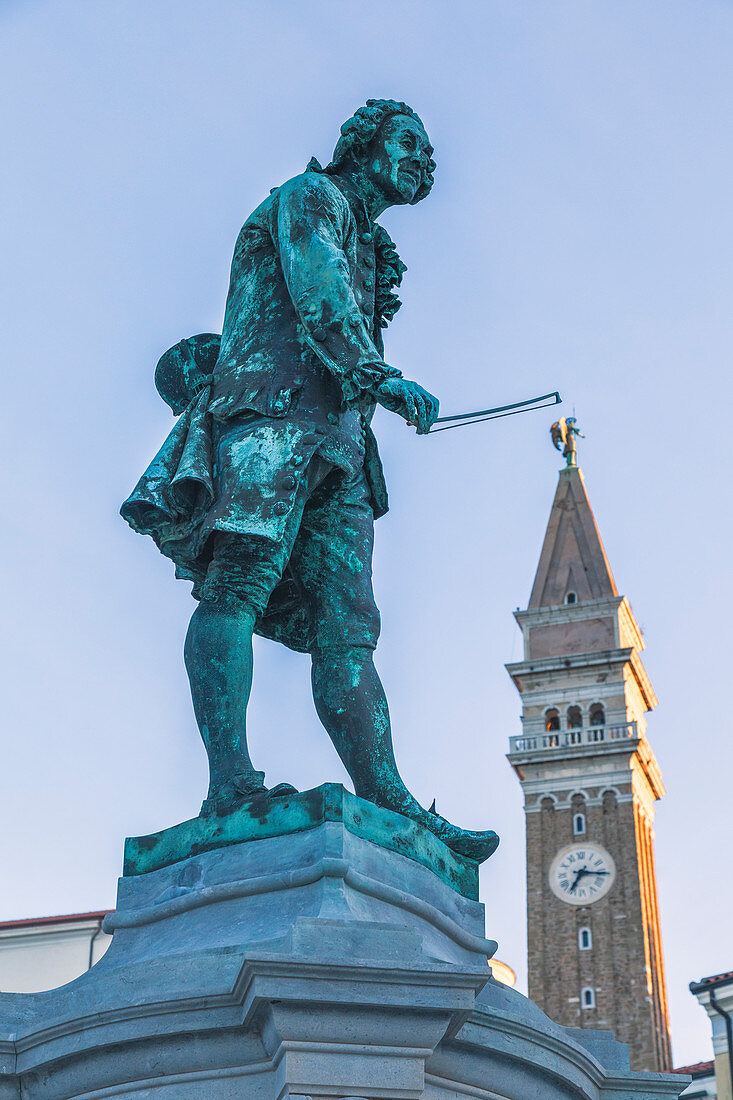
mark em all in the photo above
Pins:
pixel 351 704
pixel 218 655
pixel 332 560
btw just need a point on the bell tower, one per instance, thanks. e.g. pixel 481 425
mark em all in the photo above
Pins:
pixel 590 781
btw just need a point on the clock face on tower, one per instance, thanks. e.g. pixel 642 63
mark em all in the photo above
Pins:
pixel 582 873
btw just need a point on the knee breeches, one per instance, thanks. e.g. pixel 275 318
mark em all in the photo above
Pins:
pixel 325 555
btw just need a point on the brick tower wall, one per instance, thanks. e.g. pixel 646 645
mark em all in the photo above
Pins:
pixel 624 966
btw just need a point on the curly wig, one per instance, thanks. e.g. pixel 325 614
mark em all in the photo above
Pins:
pixel 359 130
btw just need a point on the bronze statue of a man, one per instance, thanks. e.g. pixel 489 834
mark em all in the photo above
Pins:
pixel 265 492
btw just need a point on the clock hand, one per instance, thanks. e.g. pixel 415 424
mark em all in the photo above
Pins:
pixel 584 871
pixel 589 874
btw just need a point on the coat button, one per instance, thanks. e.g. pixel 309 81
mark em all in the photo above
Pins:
pixel 289 482
pixel 369 283
pixel 369 260
pixel 366 238
pixel 319 334
pixel 281 508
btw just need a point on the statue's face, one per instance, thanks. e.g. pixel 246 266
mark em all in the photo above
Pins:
pixel 398 157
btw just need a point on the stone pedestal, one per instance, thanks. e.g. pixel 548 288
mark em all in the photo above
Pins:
pixel 298 951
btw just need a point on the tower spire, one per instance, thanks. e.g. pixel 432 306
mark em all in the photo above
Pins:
pixel 573 566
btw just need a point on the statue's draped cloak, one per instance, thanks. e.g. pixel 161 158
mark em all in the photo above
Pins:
pixel 301 351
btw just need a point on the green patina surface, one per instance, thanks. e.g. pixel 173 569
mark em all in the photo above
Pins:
pixel 265 492
pixel 297 813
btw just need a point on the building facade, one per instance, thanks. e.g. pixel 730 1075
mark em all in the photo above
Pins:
pixel 715 994
pixel 45 952
pixel 590 781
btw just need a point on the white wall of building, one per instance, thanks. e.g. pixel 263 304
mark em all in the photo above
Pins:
pixel 44 954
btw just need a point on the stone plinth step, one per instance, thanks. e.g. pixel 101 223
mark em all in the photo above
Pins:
pixel 265 817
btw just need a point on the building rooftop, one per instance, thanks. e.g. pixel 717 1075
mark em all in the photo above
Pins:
pixel 712 982
pixel 699 1069
pixel 66 918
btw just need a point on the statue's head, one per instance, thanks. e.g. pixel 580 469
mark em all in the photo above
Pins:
pixel 389 143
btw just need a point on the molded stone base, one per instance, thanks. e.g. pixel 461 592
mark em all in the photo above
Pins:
pixel 314 965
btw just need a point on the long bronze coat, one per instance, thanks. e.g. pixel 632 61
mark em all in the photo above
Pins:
pixel 300 355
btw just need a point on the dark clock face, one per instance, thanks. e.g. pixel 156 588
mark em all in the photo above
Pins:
pixel 582 873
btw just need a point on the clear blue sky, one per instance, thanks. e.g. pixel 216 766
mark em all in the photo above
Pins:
pixel 579 236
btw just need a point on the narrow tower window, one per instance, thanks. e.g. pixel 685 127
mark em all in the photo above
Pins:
pixel 578 824
pixel 597 715
pixel 585 940
pixel 575 724
pixel 571 598
pixel 552 720
pixel 588 997
pixel 575 719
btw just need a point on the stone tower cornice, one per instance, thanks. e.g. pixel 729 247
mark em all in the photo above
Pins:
pixel 533 674
pixel 556 614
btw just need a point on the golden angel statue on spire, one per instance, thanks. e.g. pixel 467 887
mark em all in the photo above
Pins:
pixel 564 432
